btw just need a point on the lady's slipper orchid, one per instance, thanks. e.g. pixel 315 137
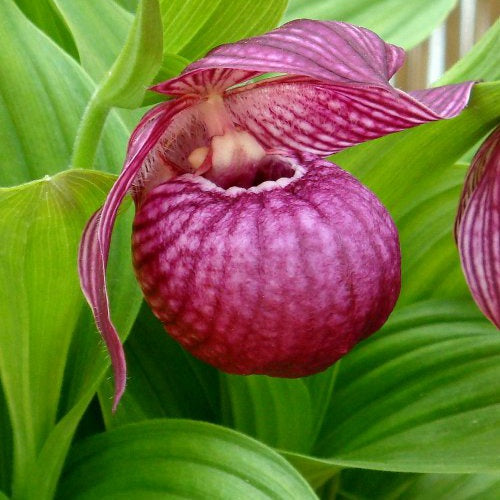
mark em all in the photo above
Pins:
pixel 477 228
pixel 258 255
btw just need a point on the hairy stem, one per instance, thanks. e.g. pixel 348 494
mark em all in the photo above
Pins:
pixel 89 132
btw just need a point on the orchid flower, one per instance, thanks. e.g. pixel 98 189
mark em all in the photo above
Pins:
pixel 257 254
pixel 477 227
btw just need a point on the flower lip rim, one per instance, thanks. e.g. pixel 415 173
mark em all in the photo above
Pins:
pixel 235 191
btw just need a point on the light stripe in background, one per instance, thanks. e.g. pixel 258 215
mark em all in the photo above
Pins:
pixel 450 41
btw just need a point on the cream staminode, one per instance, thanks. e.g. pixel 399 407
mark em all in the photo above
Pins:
pixel 233 156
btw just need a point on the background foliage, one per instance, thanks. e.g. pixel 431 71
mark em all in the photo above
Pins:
pixel 413 412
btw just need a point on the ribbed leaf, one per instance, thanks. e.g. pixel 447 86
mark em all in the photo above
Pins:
pixel 85 19
pixel 130 5
pixel 45 16
pixel 41 223
pixel 139 59
pixel 432 268
pixel 420 396
pixel 277 411
pixel 356 484
pixel 453 487
pixel 178 459
pixel 43 93
pixel 317 471
pixel 5 446
pixel 193 27
pixel 397 21
pixel 284 413
pixel 361 484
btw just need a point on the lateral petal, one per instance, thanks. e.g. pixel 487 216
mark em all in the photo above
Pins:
pixel 477 228
pixel 96 239
pixel 301 115
pixel 329 51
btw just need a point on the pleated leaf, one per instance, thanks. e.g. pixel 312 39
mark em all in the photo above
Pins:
pixel 43 93
pixel 42 313
pixel 163 379
pixel 47 18
pixel 420 396
pixel 112 22
pixel 454 487
pixel 193 27
pixel 376 485
pixel 6 448
pixel 178 459
pixel 284 413
pixel 138 61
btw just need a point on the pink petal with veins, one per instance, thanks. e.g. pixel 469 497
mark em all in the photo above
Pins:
pixel 329 51
pixel 306 116
pixel 94 247
pixel 477 228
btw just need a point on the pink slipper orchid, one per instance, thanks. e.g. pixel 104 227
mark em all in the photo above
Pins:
pixel 477 228
pixel 257 254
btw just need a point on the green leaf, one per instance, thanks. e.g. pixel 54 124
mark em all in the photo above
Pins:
pixel 283 413
pixel 192 28
pixel 482 62
pixel 376 485
pixel 43 93
pixel 419 396
pixel 164 380
pixel 41 224
pixel 178 459
pixel 124 85
pixel 45 16
pixel 6 446
pixel 396 21
pixel 85 19
pixel 454 487
pixel 316 470
pixel 130 5
pixel 276 411
pixel 138 61
pixel 432 268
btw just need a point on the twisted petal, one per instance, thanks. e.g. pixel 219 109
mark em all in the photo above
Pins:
pixel 328 51
pixel 477 228
pixel 94 247
pixel 337 93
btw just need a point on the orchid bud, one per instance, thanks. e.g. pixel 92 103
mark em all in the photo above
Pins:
pixel 257 254
pixel 477 228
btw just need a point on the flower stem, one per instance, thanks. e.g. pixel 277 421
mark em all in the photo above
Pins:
pixel 89 132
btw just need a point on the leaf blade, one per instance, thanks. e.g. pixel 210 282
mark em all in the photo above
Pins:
pixel 179 458
pixel 428 377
